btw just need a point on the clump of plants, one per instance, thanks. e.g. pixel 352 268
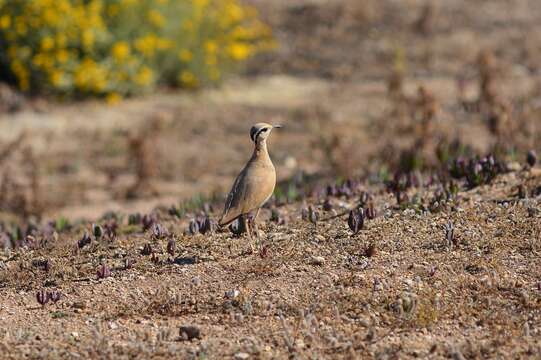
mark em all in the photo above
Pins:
pixel 116 48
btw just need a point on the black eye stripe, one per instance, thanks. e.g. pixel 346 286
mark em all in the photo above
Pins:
pixel 258 132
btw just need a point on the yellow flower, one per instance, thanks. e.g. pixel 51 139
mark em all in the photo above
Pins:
pixel 155 18
pixel 88 39
pixel 62 56
pixel 55 77
pixel 121 50
pixel 47 43
pixel 113 98
pixel 146 45
pixel 144 76
pixel 5 21
pixel 20 26
pixel 185 55
pixel 211 46
pixel 234 11
pixel 239 51
pixel 188 79
pixel 61 40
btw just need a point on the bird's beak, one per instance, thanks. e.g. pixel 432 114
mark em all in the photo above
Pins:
pixel 276 126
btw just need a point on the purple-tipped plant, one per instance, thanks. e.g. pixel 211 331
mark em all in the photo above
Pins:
pixel 171 245
pixel 110 229
pixel 304 213
pixel 147 250
pixel 332 190
pixel 193 227
pixel 206 224
pixel 356 220
pixel 313 215
pixel 276 217
pixel 54 296
pixel 370 212
pixel 148 220
pixel 42 297
pixel 364 197
pixel 531 158
pixel 327 205
pixel 85 240
pixel 449 233
pixel 159 231
pixel 97 231
pixel 103 272
pixel 128 263
pixel 521 191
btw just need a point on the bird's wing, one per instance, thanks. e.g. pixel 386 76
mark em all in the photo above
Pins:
pixel 232 209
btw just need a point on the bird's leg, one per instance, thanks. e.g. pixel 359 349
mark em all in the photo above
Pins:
pixel 256 228
pixel 249 232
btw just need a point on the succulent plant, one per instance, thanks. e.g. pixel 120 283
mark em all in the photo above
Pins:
pixel 103 271
pixel 521 191
pixel 531 158
pixel 54 296
pixel 134 219
pixel 159 231
pixel 313 215
pixel 97 231
pixel 171 245
pixel 364 197
pixel 304 213
pixel 148 220
pixel 206 224
pixel 110 229
pixel 42 297
pixel 327 205
pixel 237 227
pixel 147 249
pixel 449 233
pixel 370 212
pixel 276 217
pixel 193 227
pixel 85 240
pixel 356 220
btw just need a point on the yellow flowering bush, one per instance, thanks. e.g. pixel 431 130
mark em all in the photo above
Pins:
pixel 114 48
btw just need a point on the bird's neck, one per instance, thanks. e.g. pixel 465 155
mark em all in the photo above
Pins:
pixel 260 151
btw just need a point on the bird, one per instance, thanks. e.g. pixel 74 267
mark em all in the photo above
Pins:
pixel 255 184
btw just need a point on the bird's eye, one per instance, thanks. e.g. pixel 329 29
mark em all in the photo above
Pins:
pixel 265 129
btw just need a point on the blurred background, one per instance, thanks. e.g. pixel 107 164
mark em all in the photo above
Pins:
pixel 126 105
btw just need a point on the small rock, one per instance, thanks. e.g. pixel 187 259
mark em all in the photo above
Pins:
pixel 514 166
pixel 242 356
pixel 189 332
pixel 317 260
pixel 231 294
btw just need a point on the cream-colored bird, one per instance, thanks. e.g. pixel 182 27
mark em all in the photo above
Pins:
pixel 255 183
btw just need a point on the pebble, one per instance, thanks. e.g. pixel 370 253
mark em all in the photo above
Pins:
pixel 231 294
pixel 317 260
pixel 189 332
pixel 242 356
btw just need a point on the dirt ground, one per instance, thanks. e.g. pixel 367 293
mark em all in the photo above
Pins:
pixel 344 81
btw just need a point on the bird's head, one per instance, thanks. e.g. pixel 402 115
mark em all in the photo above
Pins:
pixel 261 131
